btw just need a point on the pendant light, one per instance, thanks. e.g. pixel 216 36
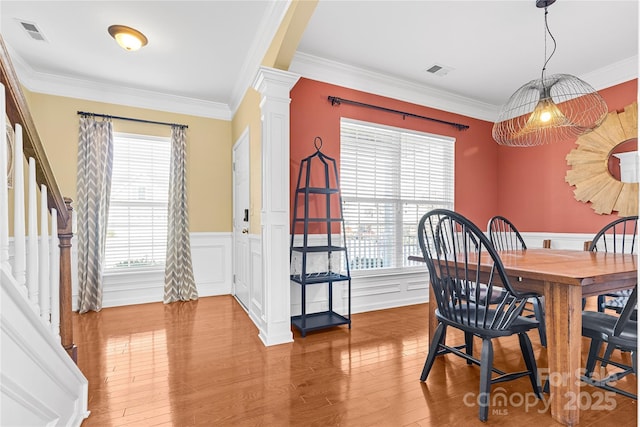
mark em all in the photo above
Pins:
pixel 552 108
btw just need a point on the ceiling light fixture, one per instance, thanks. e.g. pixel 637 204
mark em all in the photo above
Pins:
pixel 552 108
pixel 129 38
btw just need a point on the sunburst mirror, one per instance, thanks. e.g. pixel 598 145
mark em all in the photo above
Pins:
pixel 589 165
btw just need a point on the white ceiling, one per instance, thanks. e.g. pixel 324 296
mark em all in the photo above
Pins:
pixel 202 55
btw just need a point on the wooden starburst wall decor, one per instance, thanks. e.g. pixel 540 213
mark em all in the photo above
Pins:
pixel 589 165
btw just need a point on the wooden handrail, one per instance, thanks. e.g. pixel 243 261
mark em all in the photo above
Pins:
pixel 18 112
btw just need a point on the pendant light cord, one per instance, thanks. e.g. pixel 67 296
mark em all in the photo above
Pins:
pixel 547 30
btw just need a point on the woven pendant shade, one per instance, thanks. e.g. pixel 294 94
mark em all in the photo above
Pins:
pixel 554 109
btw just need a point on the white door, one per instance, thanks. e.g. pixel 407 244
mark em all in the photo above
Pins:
pixel 241 252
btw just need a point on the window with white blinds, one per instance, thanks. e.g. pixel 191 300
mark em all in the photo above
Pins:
pixel 389 178
pixel 137 223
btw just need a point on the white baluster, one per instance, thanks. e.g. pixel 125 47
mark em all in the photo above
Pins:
pixel 32 254
pixel 19 244
pixel 55 275
pixel 4 192
pixel 43 258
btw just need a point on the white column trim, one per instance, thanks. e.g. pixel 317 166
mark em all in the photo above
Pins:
pixel 274 87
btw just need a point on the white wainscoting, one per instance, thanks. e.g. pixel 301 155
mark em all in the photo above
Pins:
pixel 568 241
pixel 392 289
pixel 212 257
pixel 211 254
pixel 212 264
pixel 369 290
pixel 256 289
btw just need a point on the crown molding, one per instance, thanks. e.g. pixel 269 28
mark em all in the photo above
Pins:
pixel 614 74
pixel 115 94
pixel 337 73
pixel 305 65
pixel 50 84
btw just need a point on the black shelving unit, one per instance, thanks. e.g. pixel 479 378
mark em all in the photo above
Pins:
pixel 318 185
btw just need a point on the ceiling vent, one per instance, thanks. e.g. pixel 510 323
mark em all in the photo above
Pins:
pixel 439 70
pixel 33 31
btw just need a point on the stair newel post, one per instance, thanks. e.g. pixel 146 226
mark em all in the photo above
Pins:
pixel 65 234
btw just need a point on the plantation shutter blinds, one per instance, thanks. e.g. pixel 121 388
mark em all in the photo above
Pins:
pixel 389 178
pixel 137 224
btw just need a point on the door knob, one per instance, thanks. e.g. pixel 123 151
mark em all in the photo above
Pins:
pixel 245 230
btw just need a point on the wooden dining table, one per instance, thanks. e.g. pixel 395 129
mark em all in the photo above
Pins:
pixel 563 277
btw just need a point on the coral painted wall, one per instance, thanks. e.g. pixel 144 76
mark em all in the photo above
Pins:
pixel 526 185
pixel 531 181
pixel 476 154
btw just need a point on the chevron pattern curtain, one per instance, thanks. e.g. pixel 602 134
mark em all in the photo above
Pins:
pixel 179 284
pixel 95 160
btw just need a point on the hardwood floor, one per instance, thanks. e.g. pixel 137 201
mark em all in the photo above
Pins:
pixel 202 363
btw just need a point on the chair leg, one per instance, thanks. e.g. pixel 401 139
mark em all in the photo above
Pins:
pixel 601 303
pixel 486 363
pixel 530 362
pixel 468 342
pixel 433 350
pixel 538 309
pixel 608 351
pixel 594 349
pixel 443 341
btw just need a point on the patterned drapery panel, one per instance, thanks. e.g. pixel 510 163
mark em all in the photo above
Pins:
pixel 179 283
pixel 95 160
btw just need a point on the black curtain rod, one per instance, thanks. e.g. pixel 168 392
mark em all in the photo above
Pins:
pixel 109 116
pixel 337 101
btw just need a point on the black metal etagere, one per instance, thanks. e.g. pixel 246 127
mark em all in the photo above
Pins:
pixel 336 266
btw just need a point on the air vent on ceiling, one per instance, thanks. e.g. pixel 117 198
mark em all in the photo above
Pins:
pixel 439 70
pixel 33 30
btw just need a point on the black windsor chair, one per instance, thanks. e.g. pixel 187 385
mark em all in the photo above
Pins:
pixel 451 245
pixel 619 332
pixel 618 236
pixel 505 237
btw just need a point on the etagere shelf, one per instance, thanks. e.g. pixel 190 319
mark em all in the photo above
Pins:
pixel 325 263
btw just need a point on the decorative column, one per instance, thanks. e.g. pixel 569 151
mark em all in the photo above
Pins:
pixel 274 87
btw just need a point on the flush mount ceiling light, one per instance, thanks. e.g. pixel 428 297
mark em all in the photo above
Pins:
pixel 552 108
pixel 127 37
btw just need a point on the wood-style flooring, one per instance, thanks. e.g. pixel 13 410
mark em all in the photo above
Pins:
pixel 202 363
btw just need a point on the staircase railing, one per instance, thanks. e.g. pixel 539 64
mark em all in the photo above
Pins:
pixel 60 208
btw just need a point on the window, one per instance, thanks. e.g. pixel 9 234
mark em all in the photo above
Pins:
pixel 137 225
pixel 389 178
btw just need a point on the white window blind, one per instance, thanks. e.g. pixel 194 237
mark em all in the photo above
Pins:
pixel 137 223
pixel 389 178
